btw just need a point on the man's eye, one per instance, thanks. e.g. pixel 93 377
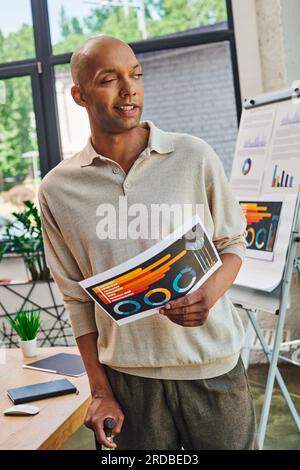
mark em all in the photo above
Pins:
pixel 107 81
pixel 137 75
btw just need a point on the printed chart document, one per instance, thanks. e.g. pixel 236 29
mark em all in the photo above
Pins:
pixel 173 267
pixel 265 270
pixel 282 175
pixel 262 222
pixel 265 179
pixel 252 148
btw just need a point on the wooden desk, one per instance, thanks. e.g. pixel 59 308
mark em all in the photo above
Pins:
pixel 59 417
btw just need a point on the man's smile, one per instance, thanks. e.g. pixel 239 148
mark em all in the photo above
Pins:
pixel 127 110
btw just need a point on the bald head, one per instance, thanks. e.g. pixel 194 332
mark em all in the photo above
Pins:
pixel 88 55
pixel 107 75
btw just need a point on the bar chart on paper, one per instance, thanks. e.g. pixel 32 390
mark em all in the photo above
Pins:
pixel 282 180
pixel 282 172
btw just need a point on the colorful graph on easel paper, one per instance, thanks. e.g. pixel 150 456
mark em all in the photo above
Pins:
pixel 282 180
pixel 246 166
pixel 262 223
pixel 170 274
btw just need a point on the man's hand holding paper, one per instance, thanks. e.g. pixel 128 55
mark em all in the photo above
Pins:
pixel 193 309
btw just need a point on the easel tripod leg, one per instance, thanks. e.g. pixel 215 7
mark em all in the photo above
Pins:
pixel 273 372
pixel 278 375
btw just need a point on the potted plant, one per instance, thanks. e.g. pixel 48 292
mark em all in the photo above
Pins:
pixel 26 324
pixel 24 236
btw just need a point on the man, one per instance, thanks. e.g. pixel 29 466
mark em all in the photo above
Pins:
pixel 175 378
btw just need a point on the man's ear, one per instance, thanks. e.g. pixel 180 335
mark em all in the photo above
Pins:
pixel 78 96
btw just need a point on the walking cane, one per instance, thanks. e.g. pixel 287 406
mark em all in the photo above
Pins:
pixel 109 424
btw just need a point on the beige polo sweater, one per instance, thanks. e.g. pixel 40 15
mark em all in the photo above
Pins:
pixel 173 169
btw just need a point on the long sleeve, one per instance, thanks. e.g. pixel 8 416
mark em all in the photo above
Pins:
pixel 229 221
pixel 66 274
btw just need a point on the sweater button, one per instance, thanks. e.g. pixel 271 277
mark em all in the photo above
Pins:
pixel 115 170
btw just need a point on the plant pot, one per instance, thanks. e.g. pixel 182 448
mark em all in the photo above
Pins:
pixel 28 348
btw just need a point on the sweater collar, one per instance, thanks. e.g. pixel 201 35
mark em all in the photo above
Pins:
pixel 159 141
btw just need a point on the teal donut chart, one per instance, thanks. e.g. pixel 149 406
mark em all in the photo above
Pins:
pixel 133 302
pixel 188 270
pixel 262 232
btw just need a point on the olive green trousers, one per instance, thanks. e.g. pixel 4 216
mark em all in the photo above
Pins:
pixel 204 414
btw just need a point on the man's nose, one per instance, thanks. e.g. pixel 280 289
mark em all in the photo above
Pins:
pixel 127 88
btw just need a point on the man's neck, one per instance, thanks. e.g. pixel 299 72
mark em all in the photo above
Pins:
pixel 123 148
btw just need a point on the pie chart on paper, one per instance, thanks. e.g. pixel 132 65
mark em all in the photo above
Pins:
pixel 246 166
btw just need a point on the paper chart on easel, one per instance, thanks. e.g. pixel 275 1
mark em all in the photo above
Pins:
pixel 263 274
pixel 271 133
pixel 252 149
pixel 282 175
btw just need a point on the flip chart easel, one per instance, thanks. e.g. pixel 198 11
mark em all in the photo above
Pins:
pixel 276 302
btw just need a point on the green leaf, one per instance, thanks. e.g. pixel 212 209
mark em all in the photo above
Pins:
pixel 26 323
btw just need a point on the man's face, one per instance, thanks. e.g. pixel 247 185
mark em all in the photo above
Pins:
pixel 113 80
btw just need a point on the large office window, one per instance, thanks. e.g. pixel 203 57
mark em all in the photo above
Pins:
pixel 73 21
pixel 19 156
pixel 16 31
